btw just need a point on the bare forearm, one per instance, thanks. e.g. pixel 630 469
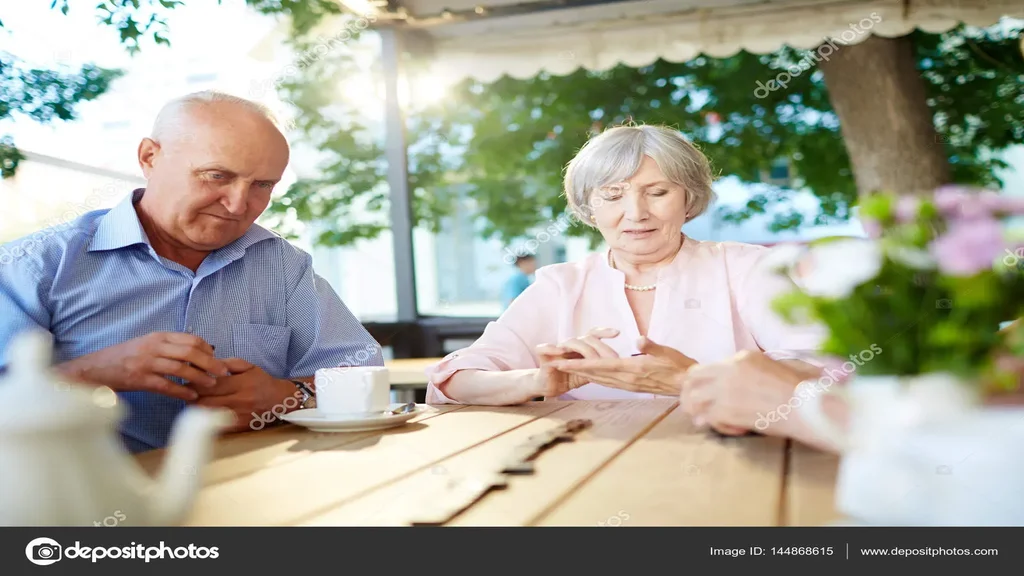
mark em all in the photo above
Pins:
pixel 492 388
pixel 75 370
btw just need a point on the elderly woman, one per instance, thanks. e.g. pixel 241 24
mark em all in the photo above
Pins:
pixel 701 302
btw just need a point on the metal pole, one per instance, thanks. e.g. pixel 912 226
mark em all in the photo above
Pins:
pixel 398 178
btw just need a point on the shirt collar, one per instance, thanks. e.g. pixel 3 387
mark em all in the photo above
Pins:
pixel 236 249
pixel 120 228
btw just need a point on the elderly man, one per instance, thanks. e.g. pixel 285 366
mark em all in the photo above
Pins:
pixel 175 295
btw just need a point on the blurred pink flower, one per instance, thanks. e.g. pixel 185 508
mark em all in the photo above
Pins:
pixel 906 208
pixel 969 246
pixel 969 203
pixel 948 199
pixel 1012 205
pixel 872 228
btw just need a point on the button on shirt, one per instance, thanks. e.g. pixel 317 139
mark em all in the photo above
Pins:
pixel 96 282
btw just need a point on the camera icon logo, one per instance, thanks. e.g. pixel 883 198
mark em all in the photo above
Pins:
pixel 43 551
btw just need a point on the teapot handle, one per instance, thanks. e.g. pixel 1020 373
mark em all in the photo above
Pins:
pixel 813 413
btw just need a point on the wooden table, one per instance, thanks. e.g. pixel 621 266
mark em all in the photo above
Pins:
pixel 407 376
pixel 640 464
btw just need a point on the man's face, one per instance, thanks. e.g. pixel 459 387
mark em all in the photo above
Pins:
pixel 213 176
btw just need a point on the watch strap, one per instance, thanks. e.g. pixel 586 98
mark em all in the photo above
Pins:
pixel 302 386
pixel 309 397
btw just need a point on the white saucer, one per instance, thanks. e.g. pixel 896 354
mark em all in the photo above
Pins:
pixel 317 422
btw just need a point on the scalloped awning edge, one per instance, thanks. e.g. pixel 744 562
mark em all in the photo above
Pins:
pixel 563 50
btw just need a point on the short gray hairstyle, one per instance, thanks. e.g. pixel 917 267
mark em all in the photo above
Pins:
pixel 616 154
pixel 169 113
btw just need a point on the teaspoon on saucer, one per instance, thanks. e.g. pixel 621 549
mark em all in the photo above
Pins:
pixel 403 409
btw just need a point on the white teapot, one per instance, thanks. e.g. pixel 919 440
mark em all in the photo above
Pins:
pixel 61 459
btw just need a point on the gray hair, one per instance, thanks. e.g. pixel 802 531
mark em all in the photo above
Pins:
pixel 168 119
pixel 616 154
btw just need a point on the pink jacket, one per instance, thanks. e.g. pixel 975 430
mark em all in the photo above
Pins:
pixel 712 301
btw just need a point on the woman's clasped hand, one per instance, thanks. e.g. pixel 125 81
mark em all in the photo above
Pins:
pixel 657 369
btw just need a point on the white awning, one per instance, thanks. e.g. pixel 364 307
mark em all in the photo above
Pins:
pixel 485 39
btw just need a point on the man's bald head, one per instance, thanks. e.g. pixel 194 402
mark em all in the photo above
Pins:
pixel 176 119
pixel 211 162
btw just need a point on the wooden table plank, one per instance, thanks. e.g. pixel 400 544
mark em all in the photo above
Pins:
pixel 301 488
pixel 810 487
pixel 409 371
pixel 236 455
pixel 674 475
pixel 558 470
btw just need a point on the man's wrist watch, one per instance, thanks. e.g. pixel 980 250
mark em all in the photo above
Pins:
pixel 307 399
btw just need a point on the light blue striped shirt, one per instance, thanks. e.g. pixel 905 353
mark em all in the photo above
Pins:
pixel 96 282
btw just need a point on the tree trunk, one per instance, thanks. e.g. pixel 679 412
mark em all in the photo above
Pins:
pixel 879 96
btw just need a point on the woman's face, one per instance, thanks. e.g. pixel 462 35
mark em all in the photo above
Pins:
pixel 641 215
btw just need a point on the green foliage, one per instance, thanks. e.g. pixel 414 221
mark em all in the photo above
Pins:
pixel 526 130
pixel 513 138
pixel 44 96
pixel 975 83
pixel 304 14
pixel 48 95
pixel 503 146
pixel 924 316
pixel 134 20
pixel 349 189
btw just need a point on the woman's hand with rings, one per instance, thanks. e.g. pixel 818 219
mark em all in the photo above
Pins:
pixel 552 382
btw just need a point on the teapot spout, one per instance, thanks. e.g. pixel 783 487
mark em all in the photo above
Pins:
pixel 189 450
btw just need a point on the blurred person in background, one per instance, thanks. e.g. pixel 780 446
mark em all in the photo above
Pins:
pixel 175 295
pixel 520 280
pixel 653 289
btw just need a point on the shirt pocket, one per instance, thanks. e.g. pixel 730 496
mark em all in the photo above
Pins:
pixel 264 345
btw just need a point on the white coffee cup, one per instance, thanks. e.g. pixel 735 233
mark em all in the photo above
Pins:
pixel 352 390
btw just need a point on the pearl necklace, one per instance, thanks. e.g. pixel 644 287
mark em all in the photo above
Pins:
pixel 611 262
